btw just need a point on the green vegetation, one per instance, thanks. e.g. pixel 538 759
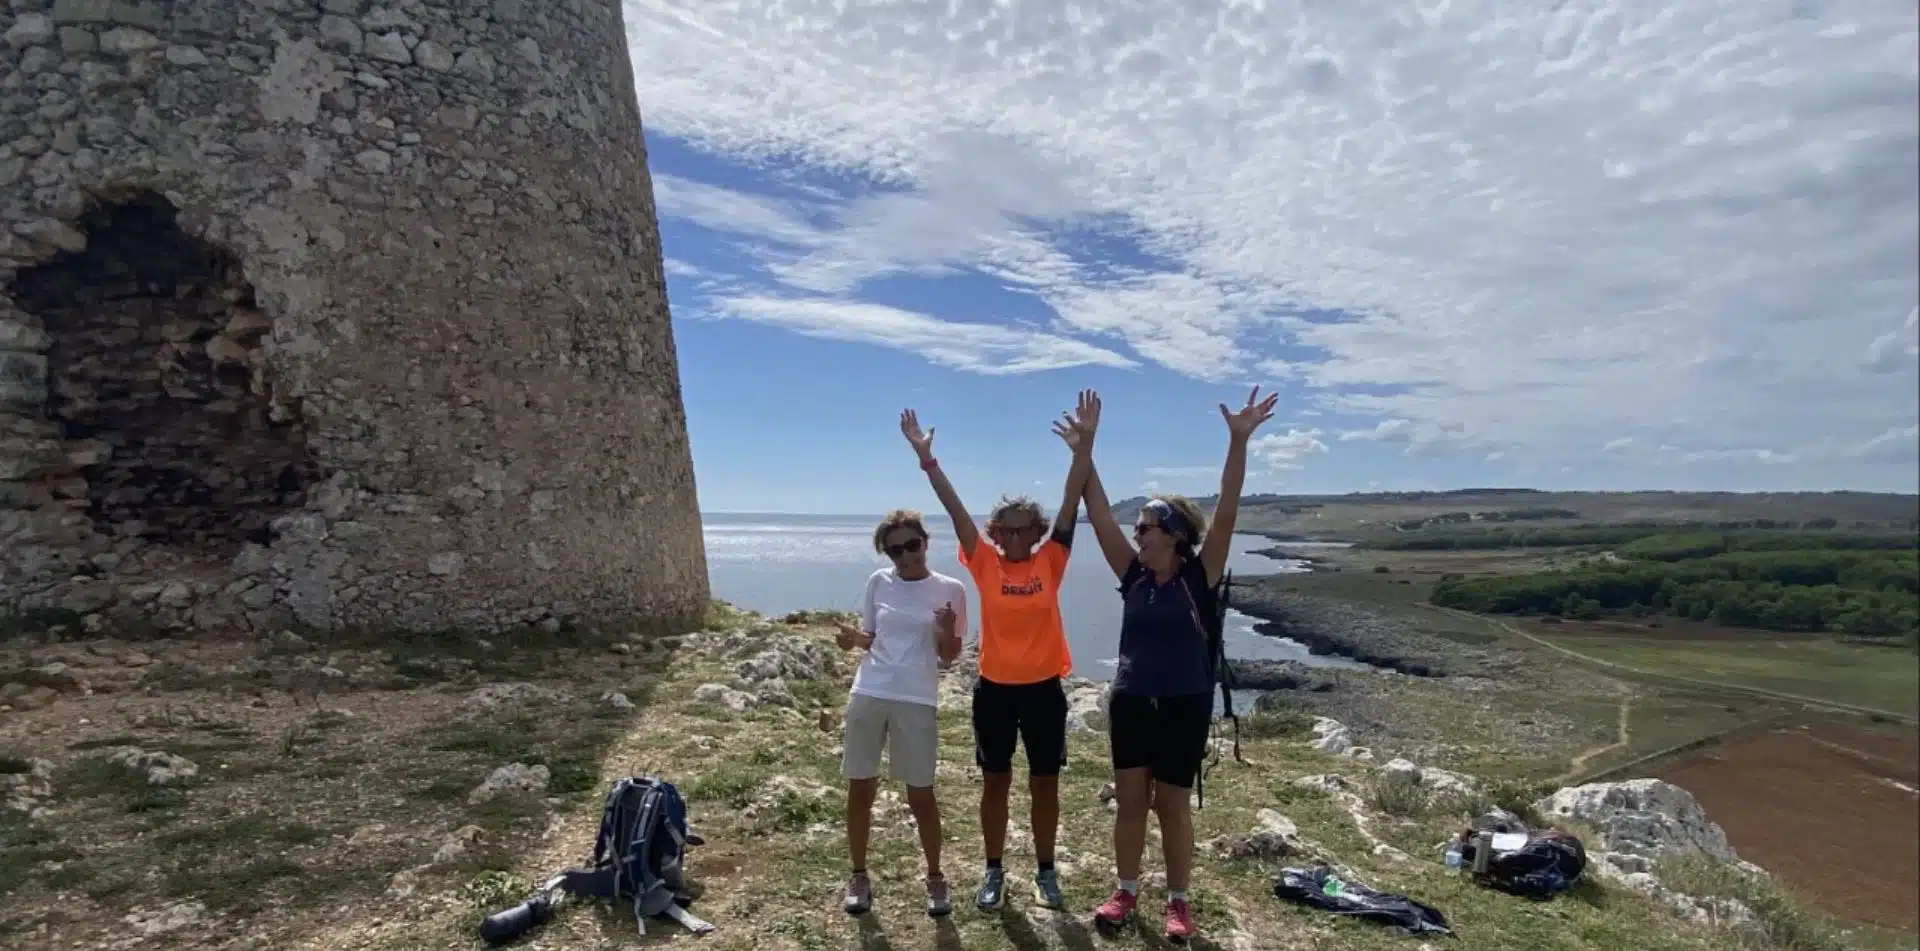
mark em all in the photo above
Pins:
pixel 1641 539
pixel 1882 678
pixel 1862 586
pixel 1489 539
pixel 1784 923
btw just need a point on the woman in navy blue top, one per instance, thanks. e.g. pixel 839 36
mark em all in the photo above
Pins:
pixel 1162 706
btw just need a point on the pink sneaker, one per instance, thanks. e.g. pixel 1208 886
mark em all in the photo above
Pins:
pixel 1117 908
pixel 1180 921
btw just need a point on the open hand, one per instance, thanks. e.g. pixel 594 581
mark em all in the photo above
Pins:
pixel 922 443
pixel 850 637
pixel 1077 428
pixel 1242 423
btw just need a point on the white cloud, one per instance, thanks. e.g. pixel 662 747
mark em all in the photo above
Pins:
pixel 1288 450
pixel 1622 444
pixel 1421 437
pixel 1898 444
pixel 726 210
pixel 1501 225
pixel 1182 472
pixel 1898 349
pixel 980 348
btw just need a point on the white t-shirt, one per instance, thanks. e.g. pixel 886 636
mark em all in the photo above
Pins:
pixel 903 663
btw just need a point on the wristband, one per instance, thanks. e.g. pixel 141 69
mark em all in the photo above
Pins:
pixel 929 464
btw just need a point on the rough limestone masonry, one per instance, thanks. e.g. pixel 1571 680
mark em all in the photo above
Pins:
pixel 334 314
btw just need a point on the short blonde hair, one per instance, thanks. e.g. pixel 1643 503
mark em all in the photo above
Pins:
pixel 1191 513
pixel 895 520
pixel 1017 505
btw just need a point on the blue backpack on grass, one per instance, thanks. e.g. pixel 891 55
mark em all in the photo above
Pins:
pixel 638 857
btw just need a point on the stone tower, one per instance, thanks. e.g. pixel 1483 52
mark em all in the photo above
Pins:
pixel 334 314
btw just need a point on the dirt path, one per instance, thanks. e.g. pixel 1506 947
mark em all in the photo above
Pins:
pixel 1692 681
pixel 1622 737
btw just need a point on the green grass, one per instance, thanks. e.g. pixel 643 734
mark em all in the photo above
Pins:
pixel 1883 678
pixel 23 847
pixel 1788 924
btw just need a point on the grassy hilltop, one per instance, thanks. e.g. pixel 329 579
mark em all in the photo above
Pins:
pixel 332 802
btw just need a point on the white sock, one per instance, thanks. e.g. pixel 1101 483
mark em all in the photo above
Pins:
pixel 1173 896
pixel 1130 886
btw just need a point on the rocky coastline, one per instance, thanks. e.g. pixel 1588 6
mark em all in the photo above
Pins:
pixel 1331 626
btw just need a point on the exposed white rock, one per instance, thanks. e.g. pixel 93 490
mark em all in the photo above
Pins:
pixel 494 695
pixel 23 791
pixel 1647 817
pixel 722 695
pixel 1087 708
pixel 511 778
pixel 166 919
pixel 791 659
pixel 158 766
pixel 1331 736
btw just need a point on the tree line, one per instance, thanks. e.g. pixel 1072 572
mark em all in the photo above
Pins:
pixel 1729 536
pixel 1860 586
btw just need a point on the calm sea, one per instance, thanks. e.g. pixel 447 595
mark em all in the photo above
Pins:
pixel 780 563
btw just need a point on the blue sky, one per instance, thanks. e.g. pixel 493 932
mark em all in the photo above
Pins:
pixel 1600 246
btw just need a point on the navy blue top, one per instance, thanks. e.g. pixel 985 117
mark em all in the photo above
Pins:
pixel 1163 649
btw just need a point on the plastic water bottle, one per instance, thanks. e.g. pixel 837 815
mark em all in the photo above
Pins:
pixel 1454 859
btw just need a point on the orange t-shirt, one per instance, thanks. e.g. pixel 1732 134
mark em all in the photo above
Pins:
pixel 1021 638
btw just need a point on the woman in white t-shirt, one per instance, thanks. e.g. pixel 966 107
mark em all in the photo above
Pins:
pixel 911 621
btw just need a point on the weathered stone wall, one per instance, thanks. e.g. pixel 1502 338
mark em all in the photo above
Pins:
pixel 334 313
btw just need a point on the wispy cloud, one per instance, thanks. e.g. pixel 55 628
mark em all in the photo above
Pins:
pixel 1490 228
pixel 980 348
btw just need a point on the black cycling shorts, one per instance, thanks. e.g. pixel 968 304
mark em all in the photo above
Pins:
pixel 1033 714
pixel 1168 734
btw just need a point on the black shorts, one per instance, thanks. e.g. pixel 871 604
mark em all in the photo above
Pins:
pixel 1035 714
pixel 1168 734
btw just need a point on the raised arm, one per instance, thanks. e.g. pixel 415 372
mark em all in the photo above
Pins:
pixel 1077 430
pixel 1233 477
pixel 964 530
pixel 1068 518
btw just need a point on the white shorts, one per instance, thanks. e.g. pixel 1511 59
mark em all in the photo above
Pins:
pixel 909 733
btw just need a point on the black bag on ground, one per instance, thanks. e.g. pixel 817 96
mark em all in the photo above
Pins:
pixel 1550 863
pixel 1321 888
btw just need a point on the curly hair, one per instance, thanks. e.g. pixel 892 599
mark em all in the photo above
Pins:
pixel 1017 505
pixel 898 519
pixel 1191 512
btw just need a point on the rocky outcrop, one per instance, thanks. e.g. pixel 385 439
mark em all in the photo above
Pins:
pixel 1087 706
pixel 1277 675
pixel 1643 817
pixel 1348 629
pixel 1433 779
pixel 1644 822
pixel 157 767
pixel 25 788
pixel 1276 837
pixel 788 658
pixel 511 779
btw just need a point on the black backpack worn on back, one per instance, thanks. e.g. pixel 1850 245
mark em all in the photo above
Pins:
pixel 638 857
pixel 1213 623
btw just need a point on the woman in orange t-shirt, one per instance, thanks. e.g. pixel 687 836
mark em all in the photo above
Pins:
pixel 1020 696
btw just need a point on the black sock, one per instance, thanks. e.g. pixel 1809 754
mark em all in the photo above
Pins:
pixel 1046 866
pixel 993 863
pixel 859 871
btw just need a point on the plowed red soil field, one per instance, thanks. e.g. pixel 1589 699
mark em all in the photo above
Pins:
pixel 1831 809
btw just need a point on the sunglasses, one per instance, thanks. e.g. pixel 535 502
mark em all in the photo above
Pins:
pixel 910 545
